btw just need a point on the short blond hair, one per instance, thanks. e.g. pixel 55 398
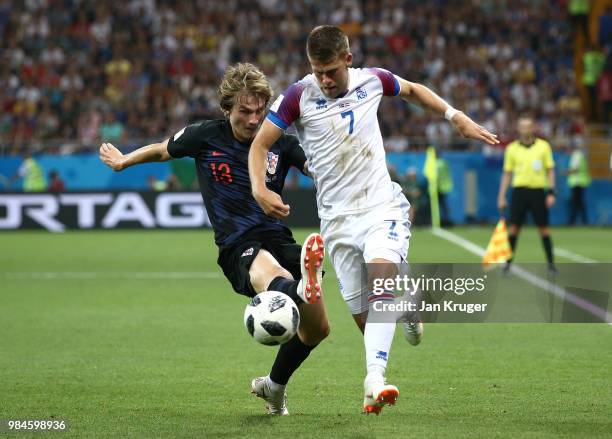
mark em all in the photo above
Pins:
pixel 243 79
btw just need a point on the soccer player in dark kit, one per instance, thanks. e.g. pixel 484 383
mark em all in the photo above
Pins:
pixel 256 252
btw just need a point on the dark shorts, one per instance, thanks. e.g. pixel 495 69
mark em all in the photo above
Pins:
pixel 528 200
pixel 236 260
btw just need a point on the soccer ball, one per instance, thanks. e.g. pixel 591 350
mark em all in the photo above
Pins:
pixel 272 318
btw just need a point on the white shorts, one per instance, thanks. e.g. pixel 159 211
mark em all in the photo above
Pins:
pixel 352 240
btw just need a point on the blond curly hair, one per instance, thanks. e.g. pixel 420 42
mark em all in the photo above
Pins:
pixel 243 79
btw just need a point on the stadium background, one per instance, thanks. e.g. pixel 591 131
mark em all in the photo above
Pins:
pixel 123 332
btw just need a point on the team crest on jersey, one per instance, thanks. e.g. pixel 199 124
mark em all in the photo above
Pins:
pixel 361 93
pixel 321 103
pixel 272 162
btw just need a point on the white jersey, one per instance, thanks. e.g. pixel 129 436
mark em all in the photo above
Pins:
pixel 342 140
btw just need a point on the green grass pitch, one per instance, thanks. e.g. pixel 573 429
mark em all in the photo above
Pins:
pixel 137 334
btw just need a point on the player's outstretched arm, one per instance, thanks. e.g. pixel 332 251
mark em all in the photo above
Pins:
pixel 423 96
pixel 271 203
pixel 117 161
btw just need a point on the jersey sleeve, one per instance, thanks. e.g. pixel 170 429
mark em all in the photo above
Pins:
pixel 187 142
pixel 294 153
pixel 390 84
pixel 549 162
pixel 286 108
pixel 509 159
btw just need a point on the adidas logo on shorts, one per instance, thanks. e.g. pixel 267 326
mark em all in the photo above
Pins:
pixel 247 252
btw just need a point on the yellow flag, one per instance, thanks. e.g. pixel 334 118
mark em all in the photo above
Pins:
pixel 498 251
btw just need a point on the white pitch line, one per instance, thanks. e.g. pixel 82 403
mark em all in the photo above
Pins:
pixel 528 276
pixel 573 256
pixel 461 242
pixel 92 275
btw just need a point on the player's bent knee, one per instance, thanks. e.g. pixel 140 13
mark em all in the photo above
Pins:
pixel 324 330
pixel 261 278
pixel 312 336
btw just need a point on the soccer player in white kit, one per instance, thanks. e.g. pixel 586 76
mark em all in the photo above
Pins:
pixel 364 216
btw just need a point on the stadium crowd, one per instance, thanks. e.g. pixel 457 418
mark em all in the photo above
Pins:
pixel 141 69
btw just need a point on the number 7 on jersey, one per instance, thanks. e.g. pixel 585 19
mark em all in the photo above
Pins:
pixel 352 116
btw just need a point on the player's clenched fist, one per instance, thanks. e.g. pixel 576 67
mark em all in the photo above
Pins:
pixel 272 203
pixel 111 156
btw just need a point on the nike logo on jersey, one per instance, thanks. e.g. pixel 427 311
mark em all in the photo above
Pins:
pixel 217 153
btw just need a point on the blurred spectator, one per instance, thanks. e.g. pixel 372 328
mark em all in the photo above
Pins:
pixel 579 16
pixel 157 185
pixel 117 73
pixel 578 180
pixel 604 92
pixel 156 63
pixel 593 61
pixel 33 175
pixel 569 103
pixel 173 183
pixel 89 127
pixel 170 184
pixel 47 123
pixel 445 187
pixel 605 29
pixel 111 129
pixel 415 192
pixel 56 184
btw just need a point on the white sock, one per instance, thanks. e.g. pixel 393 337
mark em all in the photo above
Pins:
pixel 274 387
pixel 403 313
pixel 377 338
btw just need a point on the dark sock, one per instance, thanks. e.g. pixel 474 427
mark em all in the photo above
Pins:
pixel 512 239
pixel 290 356
pixel 547 243
pixel 287 286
